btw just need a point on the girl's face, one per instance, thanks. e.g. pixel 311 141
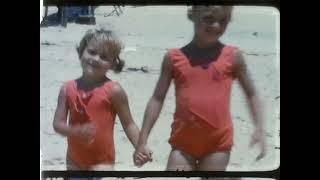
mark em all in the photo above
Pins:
pixel 210 24
pixel 96 60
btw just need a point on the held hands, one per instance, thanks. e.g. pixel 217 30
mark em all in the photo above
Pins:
pixel 258 138
pixel 84 132
pixel 142 155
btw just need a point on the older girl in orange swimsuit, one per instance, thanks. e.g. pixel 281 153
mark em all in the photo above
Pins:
pixel 203 72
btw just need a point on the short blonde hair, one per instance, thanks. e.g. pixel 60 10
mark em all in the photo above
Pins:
pixel 106 37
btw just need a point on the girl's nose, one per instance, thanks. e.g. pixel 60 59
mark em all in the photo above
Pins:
pixel 215 25
pixel 95 59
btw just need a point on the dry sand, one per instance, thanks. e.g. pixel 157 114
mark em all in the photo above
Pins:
pixel 146 33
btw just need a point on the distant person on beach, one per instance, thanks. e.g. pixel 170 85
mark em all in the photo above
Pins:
pixel 92 102
pixel 203 72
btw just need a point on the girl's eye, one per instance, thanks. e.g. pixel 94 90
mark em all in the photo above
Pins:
pixel 104 58
pixel 208 20
pixel 91 52
pixel 224 21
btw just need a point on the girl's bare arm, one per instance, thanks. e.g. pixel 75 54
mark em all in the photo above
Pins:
pixel 155 104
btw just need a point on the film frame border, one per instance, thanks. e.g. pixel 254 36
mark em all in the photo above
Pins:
pixel 275 3
pixel 274 174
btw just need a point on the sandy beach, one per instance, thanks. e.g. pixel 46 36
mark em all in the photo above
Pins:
pixel 146 33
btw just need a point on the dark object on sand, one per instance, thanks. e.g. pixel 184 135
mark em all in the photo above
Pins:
pixel 59 18
pixel 252 54
pixel 63 17
pixel 65 14
pixel 47 43
pixel 87 18
pixel 116 10
pixel 277 97
pixel 84 19
pixel 255 33
pixel 143 69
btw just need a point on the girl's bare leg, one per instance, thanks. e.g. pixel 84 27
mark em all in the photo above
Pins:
pixel 100 167
pixel 179 161
pixel 217 161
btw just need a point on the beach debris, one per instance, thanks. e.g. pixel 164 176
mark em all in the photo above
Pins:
pixel 260 54
pixel 144 69
pixel 255 34
pixel 277 97
pixel 277 147
pixel 116 10
pixel 47 43
pixel 252 54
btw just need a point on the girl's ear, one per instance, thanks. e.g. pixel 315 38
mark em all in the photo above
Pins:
pixel 189 15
